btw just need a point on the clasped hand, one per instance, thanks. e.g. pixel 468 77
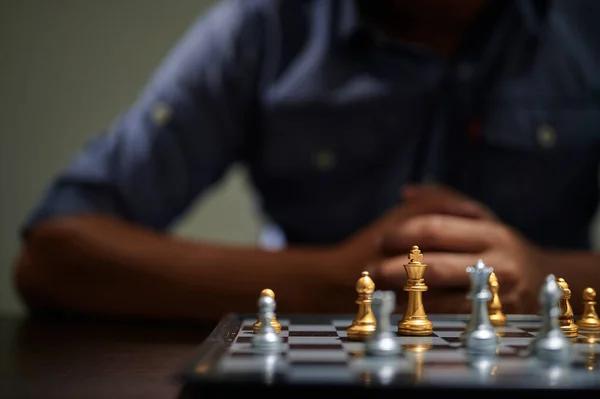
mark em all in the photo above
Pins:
pixel 452 232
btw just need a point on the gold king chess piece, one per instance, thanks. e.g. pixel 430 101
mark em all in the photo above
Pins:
pixel 589 320
pixel 276 325
pixel 364 323
pixel 415 321
pixel 497 316
pixel 566 319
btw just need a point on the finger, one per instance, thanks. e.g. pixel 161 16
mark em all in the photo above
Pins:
pixel 444 270
pixel 443 233
pixel 443 193
pixel 450 206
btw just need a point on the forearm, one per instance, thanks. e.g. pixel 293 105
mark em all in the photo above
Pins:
pixel 580 270
pixel 105 266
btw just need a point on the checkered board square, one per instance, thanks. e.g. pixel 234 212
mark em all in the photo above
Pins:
pixel 317 350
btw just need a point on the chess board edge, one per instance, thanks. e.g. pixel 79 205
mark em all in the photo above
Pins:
pixel 202 370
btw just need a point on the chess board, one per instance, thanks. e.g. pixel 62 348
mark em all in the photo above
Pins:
pixel 317 352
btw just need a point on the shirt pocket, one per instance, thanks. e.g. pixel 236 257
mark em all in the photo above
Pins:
pixel 544 128
pixel 320 142
pixel 538 168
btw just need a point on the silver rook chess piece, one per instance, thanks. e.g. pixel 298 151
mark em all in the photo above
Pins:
pixel 550 344
pixel 480 336
pixel 266 338
pixel 383 341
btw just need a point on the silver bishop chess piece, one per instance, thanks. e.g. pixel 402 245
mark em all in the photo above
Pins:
pixel 266 338
pixel 383 341
pixel 550 344
pixel 480 335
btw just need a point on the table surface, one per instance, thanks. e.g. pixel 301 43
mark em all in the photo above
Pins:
pixel 54 357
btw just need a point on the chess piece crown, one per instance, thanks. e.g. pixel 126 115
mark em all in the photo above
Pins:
pixel 480 277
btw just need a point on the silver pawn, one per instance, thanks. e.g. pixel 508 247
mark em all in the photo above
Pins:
pixel 550 344
pixel 266 338
pixel 480 335
pixel 382 341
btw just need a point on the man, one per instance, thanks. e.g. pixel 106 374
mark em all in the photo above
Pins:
pixel 469 128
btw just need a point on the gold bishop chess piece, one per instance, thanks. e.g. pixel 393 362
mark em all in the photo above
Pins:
pixel 364 323
pixel 589 320
pixel 566 318
pixel 415 321
pixel 497 316
pixel 276 325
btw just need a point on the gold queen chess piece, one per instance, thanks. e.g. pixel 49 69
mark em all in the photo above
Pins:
pixel 414 321
pixel 274 323
pixel 364 323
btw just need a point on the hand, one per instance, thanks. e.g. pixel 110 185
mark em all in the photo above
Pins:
pixel 364 250
pixel 451 243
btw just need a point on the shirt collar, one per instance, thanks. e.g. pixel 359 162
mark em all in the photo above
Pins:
pixel 532 14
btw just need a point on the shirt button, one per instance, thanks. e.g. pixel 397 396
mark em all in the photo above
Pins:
pixel 546 136
pixel 161 114
pixel 324 160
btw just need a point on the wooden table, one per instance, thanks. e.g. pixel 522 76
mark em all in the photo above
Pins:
pixel 73 358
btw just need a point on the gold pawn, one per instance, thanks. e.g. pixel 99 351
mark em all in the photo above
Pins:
pixel 589 318
pixel 497 317
pixel 414 321
pixel 274 323
pixel 364 323
pixel 566 319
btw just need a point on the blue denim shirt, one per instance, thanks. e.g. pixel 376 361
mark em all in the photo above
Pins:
pixel 331 119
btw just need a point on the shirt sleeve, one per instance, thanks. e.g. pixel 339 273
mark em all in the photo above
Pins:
pixel 183 131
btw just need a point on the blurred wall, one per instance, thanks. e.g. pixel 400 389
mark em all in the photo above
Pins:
pixel 67 69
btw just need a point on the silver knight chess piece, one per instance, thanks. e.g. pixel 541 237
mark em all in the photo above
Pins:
pixel 266 338
pixel 383 341
pixel 480 335
pixel 550 344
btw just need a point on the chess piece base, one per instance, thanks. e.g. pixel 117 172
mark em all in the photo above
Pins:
pixel 481 341
pixel 498 319
pixel 267 343
pixel 589 324
pixel 553 348
pixel 570 330
pixel 383 346
pixel 415 326
pixel 360 331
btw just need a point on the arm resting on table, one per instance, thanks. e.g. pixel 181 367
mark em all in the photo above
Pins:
pixel 101 265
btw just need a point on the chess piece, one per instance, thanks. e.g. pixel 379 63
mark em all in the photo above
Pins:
pixel 382 341
pixel 276 325
pixel 566 319
pixel 266 338
pixel 497 316
pixel 364 323
pixel 480 337
pixel 415 321
pixel 550 344
pixel 589 318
